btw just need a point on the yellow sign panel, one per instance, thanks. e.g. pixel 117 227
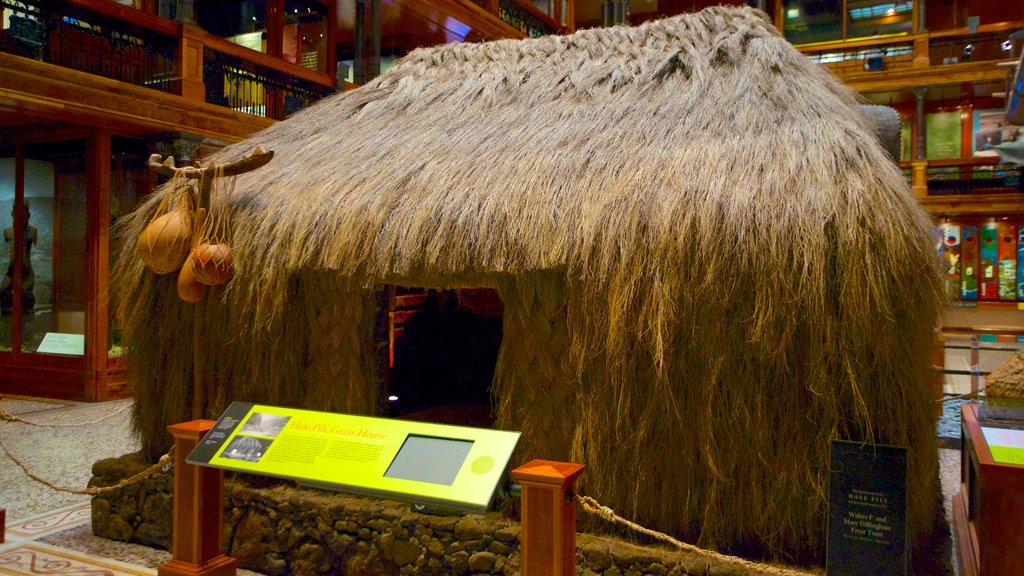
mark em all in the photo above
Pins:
pixel 450 466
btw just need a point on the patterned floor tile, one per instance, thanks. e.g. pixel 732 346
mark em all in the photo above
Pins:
pixel 32 559
pixel 51 522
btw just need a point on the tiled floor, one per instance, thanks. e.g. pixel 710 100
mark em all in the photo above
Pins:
pixel 49 532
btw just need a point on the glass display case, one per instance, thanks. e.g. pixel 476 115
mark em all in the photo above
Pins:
pixel 59 195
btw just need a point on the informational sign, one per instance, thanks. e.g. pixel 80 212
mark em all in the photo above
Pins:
pixel 867 524
pixel 943 135
pixel 60 343
pixel 434 464
pixel 1005 444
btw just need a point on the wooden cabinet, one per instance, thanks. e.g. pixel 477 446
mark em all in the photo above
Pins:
pixel 988 512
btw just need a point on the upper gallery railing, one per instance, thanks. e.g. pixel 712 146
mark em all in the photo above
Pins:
pixel 92 43
pixel 128 45
pixel 525 17
pixel 966 176
pixel 916 50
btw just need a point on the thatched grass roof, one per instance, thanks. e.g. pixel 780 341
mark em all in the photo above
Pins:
pixel 697 214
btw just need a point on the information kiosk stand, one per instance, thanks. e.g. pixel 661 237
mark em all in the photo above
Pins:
pixel 452 467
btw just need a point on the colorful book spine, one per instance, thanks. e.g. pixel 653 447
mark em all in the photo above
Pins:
pixel 1020 262
pixel 1007 261
pixel 950 251
pixel 969 264
pixel 988 285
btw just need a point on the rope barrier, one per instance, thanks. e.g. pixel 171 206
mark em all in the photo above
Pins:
pixel 8 417
pixel 162 463
pixel 596 508
pixel 957 397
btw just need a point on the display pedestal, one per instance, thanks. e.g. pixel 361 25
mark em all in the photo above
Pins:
pixel 548 536
pixel 988 512
pixel 198 510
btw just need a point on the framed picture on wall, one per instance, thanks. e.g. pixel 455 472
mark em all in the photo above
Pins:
pixel 990 128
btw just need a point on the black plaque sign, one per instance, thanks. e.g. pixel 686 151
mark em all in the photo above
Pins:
pixel 867 522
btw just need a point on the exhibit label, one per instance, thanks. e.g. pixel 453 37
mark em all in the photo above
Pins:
pixel 60 343
pixel 1005 444
pixel 449 466
pixel 867 523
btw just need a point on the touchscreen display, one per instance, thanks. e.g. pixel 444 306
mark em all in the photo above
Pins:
pixel 429 459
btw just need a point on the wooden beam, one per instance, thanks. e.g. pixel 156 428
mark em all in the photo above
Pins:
pixel 61 94
pixel 1001 204
pixel 97 255
pixel 907 78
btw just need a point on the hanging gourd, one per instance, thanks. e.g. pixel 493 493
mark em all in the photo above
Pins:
pixel 167 239
pixel 211 258
pixel 189 289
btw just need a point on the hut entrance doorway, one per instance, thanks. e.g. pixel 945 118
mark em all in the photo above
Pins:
pixel 443 351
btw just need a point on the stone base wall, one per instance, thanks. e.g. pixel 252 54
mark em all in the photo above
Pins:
pixel 284 530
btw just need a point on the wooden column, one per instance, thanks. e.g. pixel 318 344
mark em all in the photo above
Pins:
pixel 548 537
pixel 374 39
pixel 919 167
pixel 190 60
pixel 3 525
pixel 198 510
pixel 275 28
pixel 359 56
pixel 330 43
pixel 97 273
pixel 922 58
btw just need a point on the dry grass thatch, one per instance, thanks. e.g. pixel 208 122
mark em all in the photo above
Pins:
pixel 1007 380
pixel 709 265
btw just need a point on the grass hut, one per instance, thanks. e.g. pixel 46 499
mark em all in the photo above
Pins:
pixel 710 268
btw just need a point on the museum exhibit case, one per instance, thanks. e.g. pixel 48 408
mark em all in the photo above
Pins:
pixel 60 193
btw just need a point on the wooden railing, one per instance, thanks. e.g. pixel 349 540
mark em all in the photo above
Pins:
pixel 525 17
pixel 965 176
pixel 128 45
pixel 916 50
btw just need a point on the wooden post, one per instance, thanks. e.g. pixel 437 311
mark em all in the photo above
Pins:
pixel 922 59
pixel 3 524
pixel 919 178
pixel 166 168
pixel 198 510
pixel 548 537
pixel 190 61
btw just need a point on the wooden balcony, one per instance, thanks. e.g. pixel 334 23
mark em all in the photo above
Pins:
pixel 119 67
pixel 980 186
pixel 918 59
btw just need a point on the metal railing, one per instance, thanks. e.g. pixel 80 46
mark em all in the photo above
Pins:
pixel 248 87
pixel 90 43
pixel 986 349
pixel 974 179
pixel 526 21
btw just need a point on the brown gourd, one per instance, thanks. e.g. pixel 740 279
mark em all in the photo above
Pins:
pixel 164 244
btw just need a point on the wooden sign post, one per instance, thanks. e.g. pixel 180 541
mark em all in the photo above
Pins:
pixel 256 159
pixel 548 536
pixel 198 510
